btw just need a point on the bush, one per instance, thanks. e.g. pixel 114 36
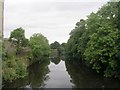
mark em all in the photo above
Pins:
pixel 13 69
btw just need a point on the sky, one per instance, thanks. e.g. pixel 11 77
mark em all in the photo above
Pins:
pixel 53 18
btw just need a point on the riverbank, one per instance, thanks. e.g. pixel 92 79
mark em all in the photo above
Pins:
pixel 19 53
pixel 13 66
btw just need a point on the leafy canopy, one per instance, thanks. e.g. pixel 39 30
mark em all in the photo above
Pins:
pixel 40 47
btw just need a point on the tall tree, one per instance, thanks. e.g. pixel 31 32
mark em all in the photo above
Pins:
pixel 96 41
pixel 39 47
pixel 18 35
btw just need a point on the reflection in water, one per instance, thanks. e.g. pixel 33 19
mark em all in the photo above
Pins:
pixel 82 77
pixel 59 77
pixel 37 74
pixel 55 60
pixel 54 75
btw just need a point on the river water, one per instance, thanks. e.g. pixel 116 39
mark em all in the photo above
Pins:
pixel 58 77
pixel 61 74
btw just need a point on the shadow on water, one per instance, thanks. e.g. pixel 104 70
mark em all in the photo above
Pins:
pixel 83 77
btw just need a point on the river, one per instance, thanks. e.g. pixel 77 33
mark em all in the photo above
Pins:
pixel 60 74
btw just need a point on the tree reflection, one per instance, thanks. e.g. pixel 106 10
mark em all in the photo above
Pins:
pixel 35 78
pixel 83 77
pixel 55 60
pixel 37 73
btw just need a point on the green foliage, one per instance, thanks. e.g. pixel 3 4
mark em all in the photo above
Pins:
pixel 62 49
pixel 95 41
pixel 101 50
pixel 13 69
pixel 21 69
pixel 39 47
pixel 74 43
pixel 25 42
pixel 18 36
pixel 55 45
pixel 53 53
pixel 9 74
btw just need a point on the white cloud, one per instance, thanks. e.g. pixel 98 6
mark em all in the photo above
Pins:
pixel 53 19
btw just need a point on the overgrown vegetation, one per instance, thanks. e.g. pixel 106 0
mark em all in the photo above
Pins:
pixel 13 66
pixel 18 37
pixel 13 69
pixel 18 53
pixel 95 41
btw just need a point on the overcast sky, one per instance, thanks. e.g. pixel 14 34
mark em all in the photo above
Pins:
pixel 52 18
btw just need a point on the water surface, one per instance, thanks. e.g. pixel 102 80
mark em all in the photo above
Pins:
pixel 58 76
pixel 57 73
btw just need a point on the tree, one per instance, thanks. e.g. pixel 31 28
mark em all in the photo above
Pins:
pixel 25 42
pixel 39 47
pixel 62 48
pixel 18 35
pixel 56 45
pixel 96 41
pixel 74 43
pixel 103 46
